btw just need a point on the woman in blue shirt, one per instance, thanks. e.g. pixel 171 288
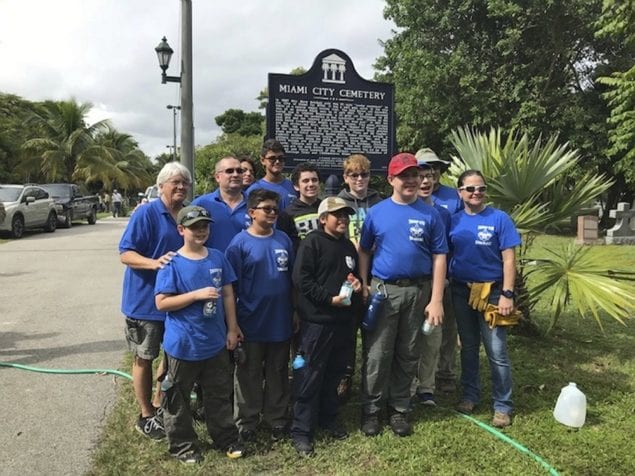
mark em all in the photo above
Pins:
pixel 483 239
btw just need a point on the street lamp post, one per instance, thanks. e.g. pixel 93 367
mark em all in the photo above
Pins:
pixel 164 54
pixel 174 109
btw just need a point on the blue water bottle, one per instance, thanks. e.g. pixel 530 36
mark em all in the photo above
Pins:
pixel 298 362
pixel 375 308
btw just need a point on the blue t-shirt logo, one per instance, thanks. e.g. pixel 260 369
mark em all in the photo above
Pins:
pixel 282 259
pixel 216 274
pixel 485 234
pixel 416 229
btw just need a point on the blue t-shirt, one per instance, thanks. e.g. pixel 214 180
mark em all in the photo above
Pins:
pixel 405 237
pixel 189 334
pixel 263 266
pixel 477 242
pixel 284 189
pixel 151 232
pixel 227 222
pixel 446 219
pixel 448 198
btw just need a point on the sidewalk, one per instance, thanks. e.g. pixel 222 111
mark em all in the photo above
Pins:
pixel 59 308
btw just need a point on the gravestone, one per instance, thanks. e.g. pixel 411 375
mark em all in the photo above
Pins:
pixel 587 230
pixel 330 112
pixel 622 233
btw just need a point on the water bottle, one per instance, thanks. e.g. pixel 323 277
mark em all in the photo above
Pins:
pixel 166 384
pixel 240 356
pixel 298 362
pixel 209 308
pixel 427 328
pixel 570 408
pixel 346 291
pixel 375 308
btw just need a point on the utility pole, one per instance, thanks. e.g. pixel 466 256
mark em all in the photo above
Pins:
pixel 187 116
pixel 174 109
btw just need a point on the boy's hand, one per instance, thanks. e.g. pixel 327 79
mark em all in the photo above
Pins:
pixel 205 294
pixel 434 313
pixel 356 283
pixel 233 336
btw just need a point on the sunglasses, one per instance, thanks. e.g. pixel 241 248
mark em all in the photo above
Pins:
pixel 340 214
pixel 273 160
pixel 267 210
pixel 232 170
pixel 358 175
pixel 195 214
pixel 472 188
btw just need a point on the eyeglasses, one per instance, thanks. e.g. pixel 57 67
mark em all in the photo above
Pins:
pixel 195 214
pixel 274 159
pixel 472 188
pixel 268 210
pixel 426 176
pixel 232 170
pixel 356 175
pixel 176 183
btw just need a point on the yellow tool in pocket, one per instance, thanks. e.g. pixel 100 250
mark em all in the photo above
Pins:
pixel 493 317
pixel 479 295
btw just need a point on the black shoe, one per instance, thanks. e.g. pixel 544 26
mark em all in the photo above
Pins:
pixel 235 450
pixel 336 431
pixel 370 424
pixel 247 435
pixel 303 447
pixel 278 433
pixel 150 427
pixel 399 424
pixel 190 457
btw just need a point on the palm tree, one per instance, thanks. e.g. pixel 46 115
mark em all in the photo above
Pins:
pixel 65 140
pixel 531 182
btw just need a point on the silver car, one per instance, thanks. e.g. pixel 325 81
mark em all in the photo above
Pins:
pixel 24 207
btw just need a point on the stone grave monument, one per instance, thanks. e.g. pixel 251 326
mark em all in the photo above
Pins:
pixel 622 233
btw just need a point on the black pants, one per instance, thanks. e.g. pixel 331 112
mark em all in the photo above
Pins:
pixel 326 349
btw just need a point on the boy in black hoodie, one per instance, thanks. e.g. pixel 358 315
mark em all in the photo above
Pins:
pixel 325 260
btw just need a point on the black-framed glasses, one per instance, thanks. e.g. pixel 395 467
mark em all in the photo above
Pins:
pixel 472 188
pixel 426 176
pixel 230 171
pixel 276 158
pixel 356 175
pixel 195 214
pixel 268 210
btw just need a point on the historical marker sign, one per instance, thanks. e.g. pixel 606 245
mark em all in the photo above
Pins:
pixel 330 112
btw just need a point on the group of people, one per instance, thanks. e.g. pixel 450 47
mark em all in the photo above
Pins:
pixel 260 273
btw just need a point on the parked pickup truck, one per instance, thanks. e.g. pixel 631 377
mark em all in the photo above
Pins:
pixel 72 204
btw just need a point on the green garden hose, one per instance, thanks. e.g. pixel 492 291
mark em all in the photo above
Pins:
pixel 493 431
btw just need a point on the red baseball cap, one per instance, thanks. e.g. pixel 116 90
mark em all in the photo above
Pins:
pixel 401 162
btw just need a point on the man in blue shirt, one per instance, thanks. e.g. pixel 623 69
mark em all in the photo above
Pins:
pixel 226 204
pixel 147 245
pixel 272 159
pixel 409 247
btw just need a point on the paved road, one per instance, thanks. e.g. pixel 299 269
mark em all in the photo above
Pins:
pixel 59 308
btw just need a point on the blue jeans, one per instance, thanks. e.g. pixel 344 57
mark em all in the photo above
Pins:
pixel 472 329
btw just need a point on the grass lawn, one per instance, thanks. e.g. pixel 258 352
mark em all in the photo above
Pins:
pixel 444 442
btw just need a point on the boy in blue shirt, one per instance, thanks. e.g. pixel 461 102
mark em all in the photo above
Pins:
pixel 195 290
pixel 272 159
pixel 263 258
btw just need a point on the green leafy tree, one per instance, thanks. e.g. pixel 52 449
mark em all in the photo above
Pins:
pixel 531 181
pixel 237 121
pixel 618 22
pixel 529 66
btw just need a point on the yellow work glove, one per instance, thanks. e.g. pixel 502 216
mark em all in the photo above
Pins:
pixel 493 318
pixel 479 295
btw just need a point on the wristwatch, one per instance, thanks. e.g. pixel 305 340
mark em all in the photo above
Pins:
pixel 508 293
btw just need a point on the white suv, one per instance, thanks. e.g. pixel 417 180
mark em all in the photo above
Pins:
pixel 25 207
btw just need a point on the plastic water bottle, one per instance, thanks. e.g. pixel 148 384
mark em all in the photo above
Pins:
pixel 427 328
pixel 375 308
pixel 240 356
pixel 298 362
pixel 570 408
pixel 166 384
pixel 346 291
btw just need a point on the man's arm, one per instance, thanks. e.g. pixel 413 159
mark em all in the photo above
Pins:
pixel 138 261
pixel 434 309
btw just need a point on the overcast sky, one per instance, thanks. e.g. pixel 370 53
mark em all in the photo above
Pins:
pixel 102 51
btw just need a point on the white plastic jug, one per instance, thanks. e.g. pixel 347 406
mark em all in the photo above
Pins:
pixel 570 408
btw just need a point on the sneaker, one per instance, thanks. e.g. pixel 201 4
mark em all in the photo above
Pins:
pixel 158 416
pixel 303 447
pixel 465 406
pixel 190 457
pixel 247 435
pixel 501 420
pixel 399 424
pixel 370 424
pixel 235 450
pixel 150 427
pixel 278 433
pixel 426 399
pixel 336 431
